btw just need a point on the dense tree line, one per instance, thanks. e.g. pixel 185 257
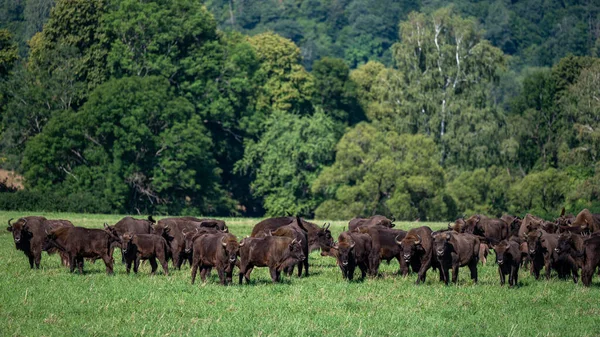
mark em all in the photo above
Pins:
pixel 128 106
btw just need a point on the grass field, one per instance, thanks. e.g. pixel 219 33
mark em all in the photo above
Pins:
pixel 53 302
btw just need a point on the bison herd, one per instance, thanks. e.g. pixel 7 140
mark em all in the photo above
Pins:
pixel 566 245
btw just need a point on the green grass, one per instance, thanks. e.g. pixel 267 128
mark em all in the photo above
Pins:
pixel 53 302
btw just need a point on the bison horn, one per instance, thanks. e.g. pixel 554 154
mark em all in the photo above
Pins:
pixel 242 242
pixel 293 241
pixel 393 218
pixel 9 220
pixel 449 227
pixel 328 225
pixel 46 230
pixel 418 241
pixel 183 232
pixel 539 234
pixel 398 242
pixel 223 242
pixel 105 225
pixel 352 244
pixel 335 245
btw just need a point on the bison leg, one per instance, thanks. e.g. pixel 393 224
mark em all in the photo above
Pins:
pixel 30 257
pixel 455 274
pixel 229 276
pixel 274 275
pixel 548 266
pixel 422 274
pixel 473 268
pixel 305 266
pixel 136 264
pixel 73 262
pixel 194 272
pixel 80 265
pixel 37 258
pixel 221 273
pixel 129 263
pixel 203 272
pixel 164 264
pixel 108 262
pixel 154 265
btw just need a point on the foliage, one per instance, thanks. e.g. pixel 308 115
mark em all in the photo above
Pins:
pixel 287 159
pixel 132 145
pixel 383 172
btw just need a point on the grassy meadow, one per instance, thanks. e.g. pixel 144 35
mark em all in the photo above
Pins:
pixel 53 302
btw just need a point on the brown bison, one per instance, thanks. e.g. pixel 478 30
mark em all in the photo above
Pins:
pixel 417 251
pixel 132 226
pixel 530 223
pixel 137 247
pixel 586 219
pixel 275 252
pixel 353 250
pixel 376 220
pixel 295 231
pixel 30 236
pixel 508 257
pixel 565 220
pixel 318 237
pixel 591 258
pixel 541 247
pixel 454 250
pixel 490 228
pixel 172 229
pixel 80 243
pixel 207 222
pixel 218 251
pixel 570 251
pixel 384 246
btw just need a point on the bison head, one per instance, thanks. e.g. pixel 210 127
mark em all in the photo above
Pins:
pixel 296 251
pixel 565 243
pixel 232 250
pixel 534 241
pixel 112 233
pixel 502 252
pixel 188 239
pixel 19 229
pixel 441 243
pixel 126 242
pixel 410 246
pixel 324 237
pixel 345 252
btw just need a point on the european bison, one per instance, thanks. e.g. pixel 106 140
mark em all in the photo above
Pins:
pixel 318 237
pixel 591 257
pixel 80 243
pixel 570 250
pixel 172 230
pixel 587 219
pixel 275 252
pixel 454 250
pixel 508 257
pixel 30 236
pixel 218 251
pixel 353 250
pixel 137 247
pixel 207 222
pixel 295 231
pixel 490 228
pixel 529 224
pixel 376 220
pixel 132 226
pixel 417 251
pixel 541 252
pixel 565 220
pixel 384 246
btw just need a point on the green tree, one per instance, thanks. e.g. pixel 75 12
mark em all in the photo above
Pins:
pixel 382 172
pixel 441 87
pixel 8 53
pixel 289 156
pixel 540 193
pixel 135 145
pixel 335 92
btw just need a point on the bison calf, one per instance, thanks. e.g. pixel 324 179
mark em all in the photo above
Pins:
pixel 137 247
pixel 508 257
pixel 215 250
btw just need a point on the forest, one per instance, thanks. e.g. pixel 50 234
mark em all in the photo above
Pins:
pixel 416 109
